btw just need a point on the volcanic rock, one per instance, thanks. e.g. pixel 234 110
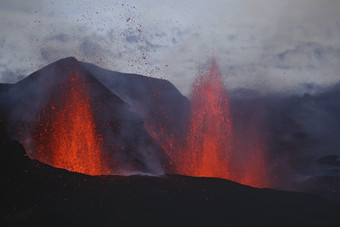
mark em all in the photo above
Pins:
pixel 164 109
pixel 34 194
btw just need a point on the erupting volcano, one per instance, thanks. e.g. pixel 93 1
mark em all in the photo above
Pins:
pixel 81 125
pixel 66 136
pixel 76 116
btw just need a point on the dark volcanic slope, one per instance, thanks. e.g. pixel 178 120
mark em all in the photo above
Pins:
pixel 37 194
pixel 164 109
pixel 23 103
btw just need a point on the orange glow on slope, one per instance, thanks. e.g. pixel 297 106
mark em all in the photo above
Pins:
pixel 254 171
pixel 66 136
pixel 209 136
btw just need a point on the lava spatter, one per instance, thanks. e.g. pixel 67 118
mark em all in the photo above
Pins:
pixel 66 135
pixel 209 135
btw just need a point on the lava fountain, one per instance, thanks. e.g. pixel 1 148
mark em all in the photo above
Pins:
pixel 208 141
pixel 66 135
pixel 212 148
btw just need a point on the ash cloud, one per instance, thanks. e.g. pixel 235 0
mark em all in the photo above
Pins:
pixel 313 56
pixel 10 76
pixel 62 37
pixel 290 44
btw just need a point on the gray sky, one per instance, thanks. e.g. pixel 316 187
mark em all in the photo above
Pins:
pixel 269 45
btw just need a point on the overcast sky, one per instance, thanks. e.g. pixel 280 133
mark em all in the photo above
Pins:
pixel 269 45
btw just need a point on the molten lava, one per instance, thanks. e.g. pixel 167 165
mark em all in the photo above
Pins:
pixel 209 136
pixel 66 136
pixel 210 146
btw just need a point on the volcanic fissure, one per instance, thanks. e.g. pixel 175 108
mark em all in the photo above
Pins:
pixel 67 136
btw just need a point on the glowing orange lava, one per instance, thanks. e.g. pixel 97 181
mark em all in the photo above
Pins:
pixel 209 148
pixel 254 168
pixel 209 136
pixel 66 136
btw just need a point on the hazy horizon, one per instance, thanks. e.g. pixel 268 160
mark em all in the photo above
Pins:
pixel 268 46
